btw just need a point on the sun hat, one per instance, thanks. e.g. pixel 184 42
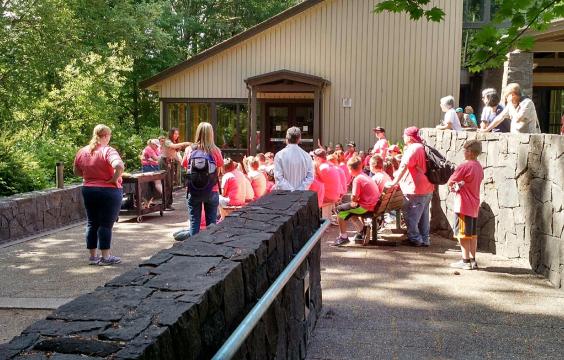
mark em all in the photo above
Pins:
pixel 155 142
pixel 413 133
pixel 320 153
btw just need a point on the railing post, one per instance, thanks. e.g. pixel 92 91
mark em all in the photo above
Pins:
pixel 59 171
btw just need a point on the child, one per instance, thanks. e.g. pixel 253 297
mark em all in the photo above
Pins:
pixel 332 159
pixel 377 168
pixel 269 179
pixel 365 195
pixel 465 182
pixel 330 177
pixel 257 178
pixel 233 184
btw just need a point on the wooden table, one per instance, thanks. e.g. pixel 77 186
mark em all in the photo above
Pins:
pixel 139 185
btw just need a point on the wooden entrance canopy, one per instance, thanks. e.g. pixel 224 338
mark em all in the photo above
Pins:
pixel 284 81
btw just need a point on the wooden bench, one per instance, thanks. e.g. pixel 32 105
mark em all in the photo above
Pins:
pixel 390 200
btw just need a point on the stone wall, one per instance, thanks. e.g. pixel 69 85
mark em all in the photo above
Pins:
pixel 521 213
pixel 30 213
pixel 185 301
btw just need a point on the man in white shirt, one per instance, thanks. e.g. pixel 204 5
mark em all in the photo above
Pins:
pixel 293 167
pixel 451 119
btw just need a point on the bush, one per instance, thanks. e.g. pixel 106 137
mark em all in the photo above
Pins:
pixel 19 170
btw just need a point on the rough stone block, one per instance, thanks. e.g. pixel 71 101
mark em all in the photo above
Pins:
pixel 508 194
pixel 78 346
pixel 541 190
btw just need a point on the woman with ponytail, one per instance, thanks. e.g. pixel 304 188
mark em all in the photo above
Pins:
pixel 101 167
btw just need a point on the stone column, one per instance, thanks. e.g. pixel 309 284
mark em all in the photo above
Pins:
pixel 519 69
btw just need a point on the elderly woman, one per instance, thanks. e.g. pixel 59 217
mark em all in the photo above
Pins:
pixel 101 167
pixel 520 110
pixel 416 188
pixel 450 121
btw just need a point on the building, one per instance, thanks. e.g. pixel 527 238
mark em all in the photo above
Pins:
pixel 331 67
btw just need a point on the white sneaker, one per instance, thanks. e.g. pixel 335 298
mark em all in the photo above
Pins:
pixel 461 265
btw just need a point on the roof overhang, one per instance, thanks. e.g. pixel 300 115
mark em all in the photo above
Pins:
pixel 204 55
pixel 287 76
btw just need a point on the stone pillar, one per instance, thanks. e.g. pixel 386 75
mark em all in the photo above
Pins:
pixel 519 69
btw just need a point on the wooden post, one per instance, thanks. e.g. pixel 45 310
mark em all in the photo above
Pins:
pixel 253 129
pixel 59 172
pixel 316 116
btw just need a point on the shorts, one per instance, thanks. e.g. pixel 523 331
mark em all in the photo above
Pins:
pixel 345 211
pixel 465 227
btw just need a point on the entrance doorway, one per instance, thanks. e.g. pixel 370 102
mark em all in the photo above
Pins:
pixel 281 116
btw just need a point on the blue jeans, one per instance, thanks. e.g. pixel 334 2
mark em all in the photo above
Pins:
pixel 150 168
pixel 416 210
pixel 102 209
pixel 210 204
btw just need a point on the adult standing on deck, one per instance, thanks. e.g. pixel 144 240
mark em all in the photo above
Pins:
pixel 381 146
pixel 450 121
pixel 168 162
pixel 293 168
pixel 101 167
pixel 416 188
pixel 520 110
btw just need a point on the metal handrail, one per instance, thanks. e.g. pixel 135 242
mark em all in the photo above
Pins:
pixel 234 342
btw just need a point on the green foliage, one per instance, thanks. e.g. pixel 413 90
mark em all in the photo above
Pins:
pixel 487 48
pixel 67 65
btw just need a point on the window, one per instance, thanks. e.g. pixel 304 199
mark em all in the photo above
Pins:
pixel 177 115
pixel 232 126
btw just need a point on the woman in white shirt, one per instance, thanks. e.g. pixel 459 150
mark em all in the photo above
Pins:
pixel 451 120
pixel 520 110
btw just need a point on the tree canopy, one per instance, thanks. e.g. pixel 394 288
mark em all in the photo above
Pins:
pixel 508 29
pixel 67 65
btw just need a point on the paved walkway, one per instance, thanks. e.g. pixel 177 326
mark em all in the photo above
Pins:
pixel 406 303
pixel 41 274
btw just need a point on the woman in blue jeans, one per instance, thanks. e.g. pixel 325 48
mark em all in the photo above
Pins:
pixel 203 188
pixel 416 188
pixel 101 167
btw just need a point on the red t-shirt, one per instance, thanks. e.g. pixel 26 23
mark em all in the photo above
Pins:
pixel 381 178
pixel 467 200
pixel 258 183
pixel 329 175
pixel 234 187
pixel 147 153
pixel 97 167
pixel 342 179
pixel 319 188
pixel 381 147
pixel 366 190
pixel 345 169
pixel 269 186
pixel 216 155
pixel 415 182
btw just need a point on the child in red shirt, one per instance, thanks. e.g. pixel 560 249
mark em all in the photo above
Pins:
pixel 465 183
pixel 365 195
pixel 380 177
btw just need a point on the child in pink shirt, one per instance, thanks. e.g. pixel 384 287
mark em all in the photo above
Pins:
pixel 365 195
pixel 332 159
pixel 233 185
pixel 330 178
pixel 465 183
pixel 257 178
pixel 377 168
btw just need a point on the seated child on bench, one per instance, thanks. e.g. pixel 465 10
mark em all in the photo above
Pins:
pixel 365 195
pixel 233 185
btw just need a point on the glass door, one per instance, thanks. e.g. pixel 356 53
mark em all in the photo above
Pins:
pixel 280 117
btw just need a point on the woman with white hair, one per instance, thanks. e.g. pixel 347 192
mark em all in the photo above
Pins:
pixel 451 121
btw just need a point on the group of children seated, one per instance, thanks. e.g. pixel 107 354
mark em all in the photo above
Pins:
pixel 246 182
pixel 366 176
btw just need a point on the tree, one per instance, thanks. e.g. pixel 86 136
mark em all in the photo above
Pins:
pixel 490 44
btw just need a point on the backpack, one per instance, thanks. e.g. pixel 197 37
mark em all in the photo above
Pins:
pixel 439 169
pixel 202 173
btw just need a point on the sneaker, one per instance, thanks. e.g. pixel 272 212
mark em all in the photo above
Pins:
pixel 94 260
pixel 413 243
pixel 110 260
pixel 341 241
pixel 170 208
pixel 359 237
pixel 461 265
pixel 474 264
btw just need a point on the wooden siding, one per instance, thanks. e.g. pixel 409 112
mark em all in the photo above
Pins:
pixel 394 70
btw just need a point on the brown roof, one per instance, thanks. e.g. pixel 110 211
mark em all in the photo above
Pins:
pixel 287 75
pixel 204 55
